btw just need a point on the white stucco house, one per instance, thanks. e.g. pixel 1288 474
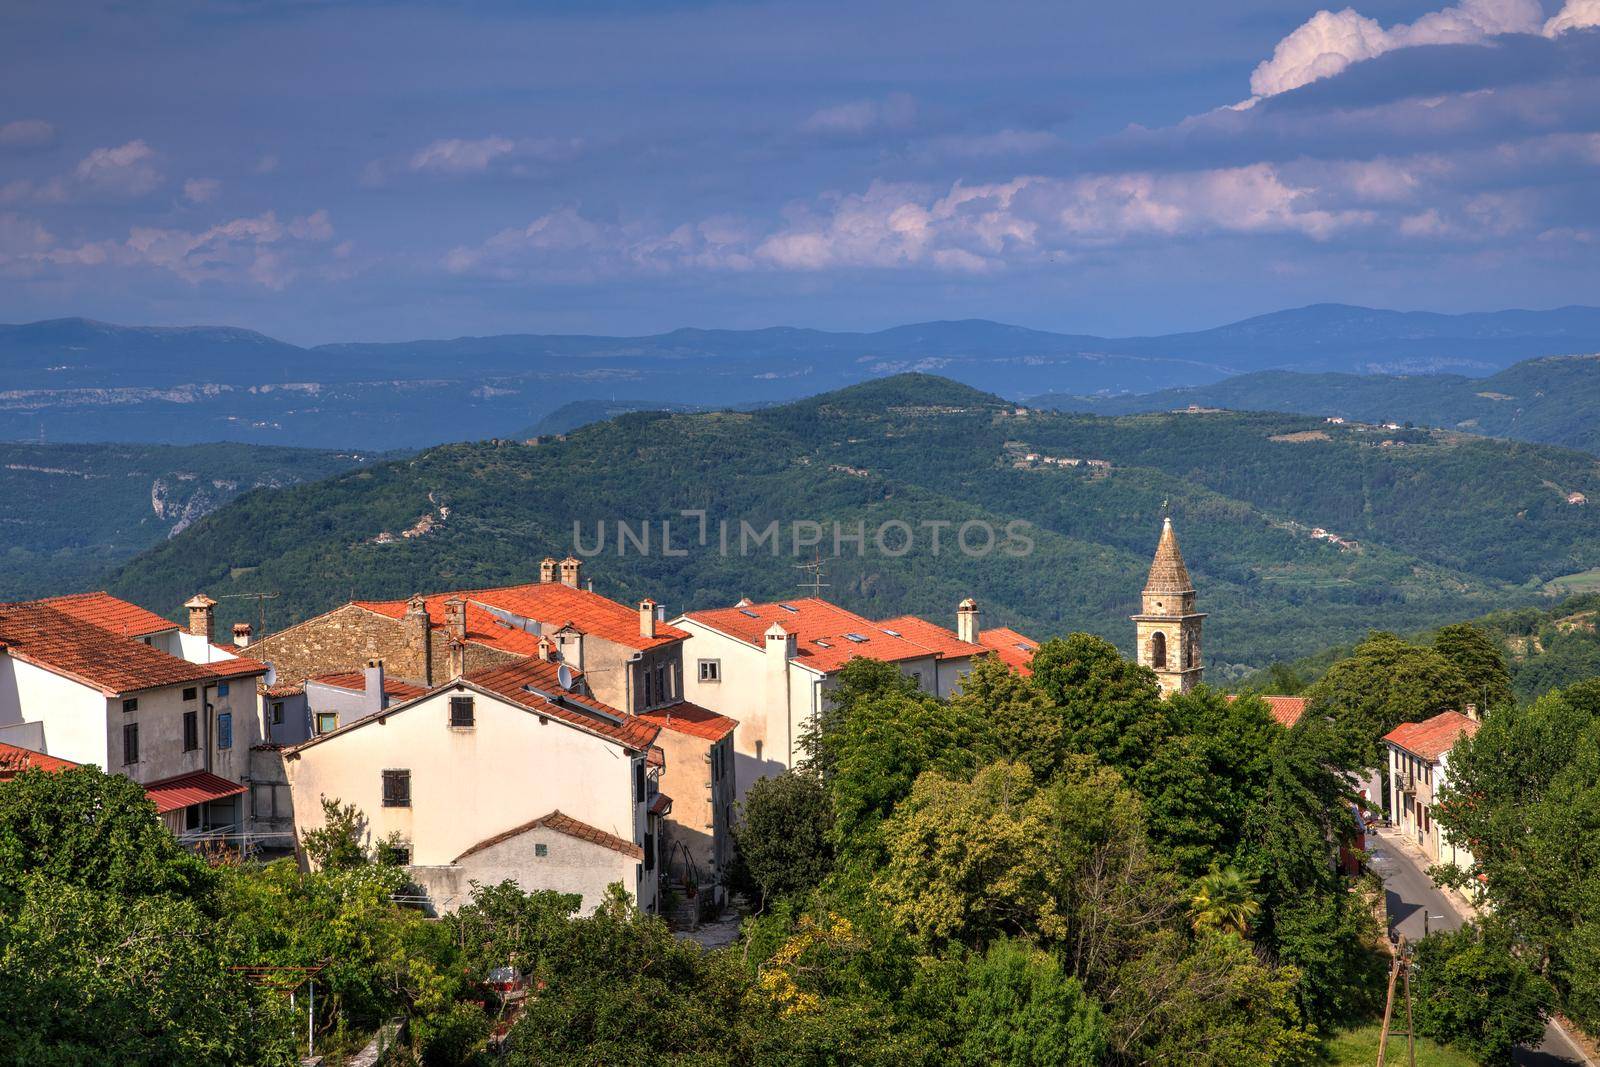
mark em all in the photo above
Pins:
pixel 499 774
pixel 1419 768
pixel 92 679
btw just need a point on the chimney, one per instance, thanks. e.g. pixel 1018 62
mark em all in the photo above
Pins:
pixel 202 616
pixel 547 569
pixel 967 621
pixel 1472 712
pixel 569 571
pixel 647 617
pixel 241 635
pixel 419 647
pixel 547 649
pixel 455 628
pixel 372 696
pixel 780 647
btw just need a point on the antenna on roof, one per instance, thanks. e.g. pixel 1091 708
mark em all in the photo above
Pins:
pixel 261 604
pixel 816 574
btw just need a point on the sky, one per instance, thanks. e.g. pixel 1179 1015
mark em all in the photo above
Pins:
pixel 330 171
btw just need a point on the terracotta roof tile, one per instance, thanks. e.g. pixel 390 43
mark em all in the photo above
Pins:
pixel 691 719
pixel 356 681
pixel 14 759
pixel 1015 650
pixel 1433 737
pixel 195 787
pixel 109 613
pixel 561 824
pixel 63 644
pixel 1286 710
pixel 826 636
pixel 931 636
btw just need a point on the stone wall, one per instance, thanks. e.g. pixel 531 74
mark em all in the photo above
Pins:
pixel 346 638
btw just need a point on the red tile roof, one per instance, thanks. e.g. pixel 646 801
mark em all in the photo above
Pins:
pixel 929 635
pixel 691 719
pixel 660 804
pixel 561 824
pixel 1015 650
pixel 550 603
pixel 14 759
pixel 1287 710
pixel 356 681
pixel 825 635
pixel 195 787
pixel 110 613
pixel 1433 737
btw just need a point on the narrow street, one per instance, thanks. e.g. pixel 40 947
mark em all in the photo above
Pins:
pixel 1415 905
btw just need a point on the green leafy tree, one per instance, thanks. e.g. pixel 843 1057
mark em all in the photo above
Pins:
pixel 1022 725
pixel 1481 661
pixel 1386 681
pixel 785 834
pixel 339 844
pixel 1108 706
pixel 1018 1007
pixel 1470 990
pixel 1224 900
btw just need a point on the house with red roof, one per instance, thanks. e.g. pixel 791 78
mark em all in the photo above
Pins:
pixel 1419 769
pixel 504 772
pixel 90 678
pixel 771 667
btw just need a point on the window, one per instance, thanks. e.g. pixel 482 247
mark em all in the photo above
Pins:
pixel 225 730
pixel 541 850
pixel 638 781
pixel 663 694
pixel 277 713
pixel 191 817
pixel 711 670
pixel 461 716
pixel 191 731
pixel 649 852
pixel 400 855
pixel 131 704
pixel 397 789
pixel 1158 650
pixel 264 800
pixel 222 689
pixel 649 698
pixel 130 743
pixel 758 751
pixel 327 721
pixel 916 678
pixel 191 693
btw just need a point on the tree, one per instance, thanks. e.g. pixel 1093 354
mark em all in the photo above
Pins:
pixel 339 844
pixel 1471 991
pixel 858 682
pixel 1225 901
pixel 1108 706
pixel 1018 1007
pixel 1386 681
pixel 1480 660
pixel 1023 725
pixel 784 834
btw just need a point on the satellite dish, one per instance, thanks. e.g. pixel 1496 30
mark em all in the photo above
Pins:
pixel 564 676
pixel 271 677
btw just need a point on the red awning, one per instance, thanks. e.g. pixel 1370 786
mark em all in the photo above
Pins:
pixel 183 790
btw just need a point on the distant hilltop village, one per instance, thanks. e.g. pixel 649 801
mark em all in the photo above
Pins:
pixel 540 732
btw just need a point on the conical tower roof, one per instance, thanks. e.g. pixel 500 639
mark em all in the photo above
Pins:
pixel 1167 572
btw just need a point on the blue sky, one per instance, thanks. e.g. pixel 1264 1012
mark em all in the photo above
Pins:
pixel 336 171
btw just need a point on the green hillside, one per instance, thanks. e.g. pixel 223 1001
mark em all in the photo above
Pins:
pixel 73 511
pixel 1549 400
pixel 1443 526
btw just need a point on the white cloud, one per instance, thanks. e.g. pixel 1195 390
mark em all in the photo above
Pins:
pixel 1574 15
pixel 126 170
pixel 456 156
pixel 201 190
pixel 312 227
pixel 26 133
pixel 1330 41
pixel 859 117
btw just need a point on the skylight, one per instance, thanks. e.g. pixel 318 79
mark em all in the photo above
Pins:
pixel 749 613
pixel 857 638
pixel 892 633
pixel 790 607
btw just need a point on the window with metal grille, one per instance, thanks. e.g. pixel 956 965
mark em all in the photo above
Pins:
pixel 191 731
pixel 397 789
pixel 130 743
pixel 461 712
pixel 225 730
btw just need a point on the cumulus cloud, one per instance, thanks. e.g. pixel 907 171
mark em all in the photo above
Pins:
pixel 1574 15
pixel 26 133
pixel 126 170
pixel 456 156
pixel 201 190
pixel 858 118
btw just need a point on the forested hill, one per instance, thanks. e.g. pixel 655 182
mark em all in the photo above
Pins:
pixel 1432 526
pixel 1550 400
pixel 72 511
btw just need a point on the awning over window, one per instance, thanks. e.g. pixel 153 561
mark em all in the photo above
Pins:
pixel 183 790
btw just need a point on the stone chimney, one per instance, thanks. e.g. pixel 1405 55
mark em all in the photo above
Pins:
pixel 967 621
pixel 416 629
pixel 202 616
pixel 647 617
pixel 455 628
pixel 569 571
pixel 373 699
pixel 241 634
pixel 1472 712
pixel 547 649
pixel 547 569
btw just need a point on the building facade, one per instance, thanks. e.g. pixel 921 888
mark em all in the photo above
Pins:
pixel 1167 629
pixel 1419 768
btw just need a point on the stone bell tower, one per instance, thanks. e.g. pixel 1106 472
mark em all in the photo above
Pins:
pixel 1168 627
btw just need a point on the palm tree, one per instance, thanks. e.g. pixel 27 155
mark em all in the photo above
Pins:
pixel 1224 900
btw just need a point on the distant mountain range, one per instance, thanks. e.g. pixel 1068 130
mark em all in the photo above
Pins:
pixel 1551 401
pixel 79 380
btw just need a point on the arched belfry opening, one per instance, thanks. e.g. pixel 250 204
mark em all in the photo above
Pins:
pixel 1158 650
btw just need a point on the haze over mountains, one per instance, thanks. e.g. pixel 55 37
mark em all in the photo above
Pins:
pixel 79 380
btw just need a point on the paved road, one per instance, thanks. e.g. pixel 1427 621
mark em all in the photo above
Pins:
pixel 1415 903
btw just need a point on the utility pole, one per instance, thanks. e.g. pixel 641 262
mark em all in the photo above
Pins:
pixel 261 605
pixel 1400 972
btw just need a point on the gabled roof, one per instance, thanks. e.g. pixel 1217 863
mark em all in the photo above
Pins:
pixel 551 604
pixel 109 613
pixel 826 636
pixel 691 719
pixel 356 681
pixel 1432 738
pixel 14 759
pixel 512 683
pixel 1015 650
pixel 930 635
pixel 1285 710
pixel 561 824
pixel 183 790
pixel 42 634
pixel 1167 572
